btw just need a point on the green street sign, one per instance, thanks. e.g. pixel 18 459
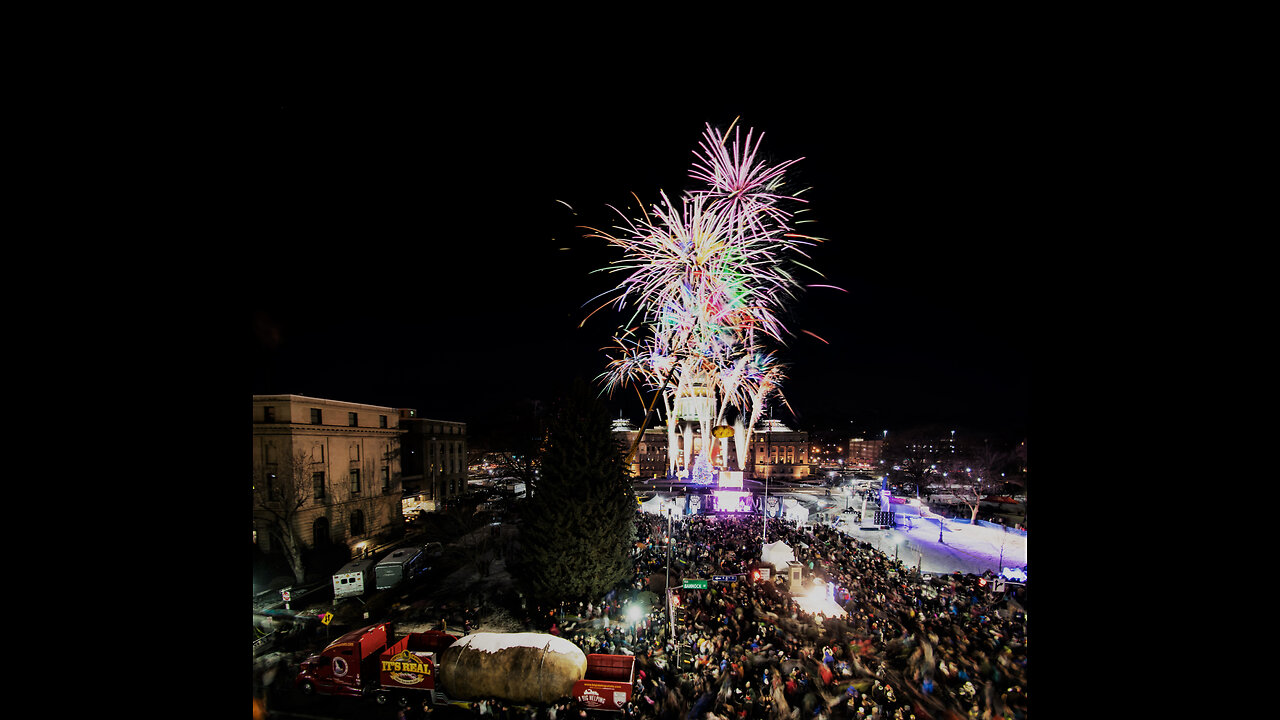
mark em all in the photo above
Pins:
pixel 695 584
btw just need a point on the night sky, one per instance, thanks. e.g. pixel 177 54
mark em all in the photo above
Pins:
pixel 414 249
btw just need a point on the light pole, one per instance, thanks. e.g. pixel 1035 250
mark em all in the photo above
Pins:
pixel 764 532
pixel 668 585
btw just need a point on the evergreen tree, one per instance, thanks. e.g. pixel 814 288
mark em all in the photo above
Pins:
pixel 579 527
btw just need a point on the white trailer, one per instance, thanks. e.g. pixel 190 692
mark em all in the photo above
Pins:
pixel 354 578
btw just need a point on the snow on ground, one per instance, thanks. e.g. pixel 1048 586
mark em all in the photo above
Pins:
pixel 817 600
pixel 966 548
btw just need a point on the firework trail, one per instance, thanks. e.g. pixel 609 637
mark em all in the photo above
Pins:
pixel 708 280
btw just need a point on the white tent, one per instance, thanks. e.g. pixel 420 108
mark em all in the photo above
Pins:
pixel 778 554
pixel 793 511
pixel 659 505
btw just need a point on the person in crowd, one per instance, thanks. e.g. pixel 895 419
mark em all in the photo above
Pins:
pixel 746 650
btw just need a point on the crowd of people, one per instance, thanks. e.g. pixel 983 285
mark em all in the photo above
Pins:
pixel 902 647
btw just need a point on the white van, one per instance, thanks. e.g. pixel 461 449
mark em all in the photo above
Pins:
pixel 354 578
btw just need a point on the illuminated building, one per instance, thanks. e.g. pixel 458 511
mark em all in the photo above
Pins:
pixel 777 451
pixel 434 459
pixel 651 455
pixel 332 468
pixel 864 453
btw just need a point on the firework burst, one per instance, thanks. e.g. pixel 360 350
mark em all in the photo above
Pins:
pixel 708 280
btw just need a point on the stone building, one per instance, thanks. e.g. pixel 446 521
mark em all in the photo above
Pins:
pixel 328 469
pixel 864 453
pixel 434 460
pixel 650 460
pixel 774 451
pixel 777 451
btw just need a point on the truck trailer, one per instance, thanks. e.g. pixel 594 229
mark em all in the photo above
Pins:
pixel 436 667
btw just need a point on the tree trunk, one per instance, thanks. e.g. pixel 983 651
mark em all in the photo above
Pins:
pixel 293 554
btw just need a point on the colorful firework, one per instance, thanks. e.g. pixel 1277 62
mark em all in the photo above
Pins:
pixel 708 281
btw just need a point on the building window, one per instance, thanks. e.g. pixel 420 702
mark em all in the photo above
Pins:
pixel 386 479
pixel 315 416
pixel 351 419
pixel 317 483
pixel 355 482
pixel 357 522
pixel 382 421
pixel 269 414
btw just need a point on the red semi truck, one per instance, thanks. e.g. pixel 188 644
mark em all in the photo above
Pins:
pixel 507 666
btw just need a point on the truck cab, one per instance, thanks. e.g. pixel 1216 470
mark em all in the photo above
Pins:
pixel 347 666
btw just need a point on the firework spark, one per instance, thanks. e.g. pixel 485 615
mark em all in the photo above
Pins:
pixel 708 280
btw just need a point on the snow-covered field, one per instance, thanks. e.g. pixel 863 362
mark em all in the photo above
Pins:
pixel 966 548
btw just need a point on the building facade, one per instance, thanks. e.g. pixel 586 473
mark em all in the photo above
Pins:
pixel 434 459
pixel 328 469
pixel 650 460
pixel 774 451
pixel 864 453
pixel 777 451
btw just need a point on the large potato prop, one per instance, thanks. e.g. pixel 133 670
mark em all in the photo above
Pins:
pixel 516 667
